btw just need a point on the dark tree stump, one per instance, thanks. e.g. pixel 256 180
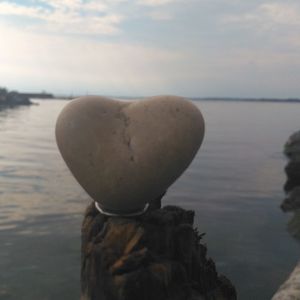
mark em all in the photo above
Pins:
pixel 156 256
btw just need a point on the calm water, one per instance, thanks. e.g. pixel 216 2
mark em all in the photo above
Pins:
pixel 234 185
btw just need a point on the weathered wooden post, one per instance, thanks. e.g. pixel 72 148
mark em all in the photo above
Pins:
pixel 156 256
pixel 126 155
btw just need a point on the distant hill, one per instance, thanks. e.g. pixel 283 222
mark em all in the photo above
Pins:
pixel 38 95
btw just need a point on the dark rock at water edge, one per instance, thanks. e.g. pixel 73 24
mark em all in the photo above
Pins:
pixel 292 170
pixel 292 147
pixel 290 185
pixel 294 226
pixel 292 201
pixel 156 256
pixel 290 288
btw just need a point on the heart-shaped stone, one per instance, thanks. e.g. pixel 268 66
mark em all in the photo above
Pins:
pixel 125 154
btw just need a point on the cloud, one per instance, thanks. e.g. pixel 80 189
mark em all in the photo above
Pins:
pixel 68 16
pixel 63 64
pixel 8 8
pixel 161 16
pixel 268 14
pixel 211 47
pixel 77 5
pixel 93 25
pixel 281 13
pixel 155 2
pixel 83 17
pixel 72 64
pixel 271 25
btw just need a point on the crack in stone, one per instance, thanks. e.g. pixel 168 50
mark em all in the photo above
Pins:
pixel 126 136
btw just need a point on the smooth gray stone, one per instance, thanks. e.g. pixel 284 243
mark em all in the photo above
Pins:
pixel 125 154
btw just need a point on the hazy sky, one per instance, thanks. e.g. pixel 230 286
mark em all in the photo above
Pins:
pixel 247 48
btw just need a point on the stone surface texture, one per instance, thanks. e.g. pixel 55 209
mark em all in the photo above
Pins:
pixel 292 147
pixel 290 290
pixel 125 154
pixel 292 201
pixel 292 170
pixel 156 256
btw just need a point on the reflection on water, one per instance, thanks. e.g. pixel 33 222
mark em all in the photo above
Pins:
pixel 40 209
pixel 234 185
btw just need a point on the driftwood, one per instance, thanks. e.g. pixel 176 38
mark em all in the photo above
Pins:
pixel 156 256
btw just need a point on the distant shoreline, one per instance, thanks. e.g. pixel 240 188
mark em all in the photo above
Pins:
pixel 287 100
pixel 229 99
pixel 38 95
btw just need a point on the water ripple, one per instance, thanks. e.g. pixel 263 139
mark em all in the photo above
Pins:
pixel 234 185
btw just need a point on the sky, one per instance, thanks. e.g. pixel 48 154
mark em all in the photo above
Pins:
pixel 192 48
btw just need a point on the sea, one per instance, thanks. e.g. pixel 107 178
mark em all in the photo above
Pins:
pixel 234 185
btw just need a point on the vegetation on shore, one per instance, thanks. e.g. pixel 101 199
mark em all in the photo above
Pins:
pixel 12 98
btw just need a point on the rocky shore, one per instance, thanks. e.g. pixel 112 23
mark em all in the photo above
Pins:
pixel 290 289
pixel 292 185
pixel 12 98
